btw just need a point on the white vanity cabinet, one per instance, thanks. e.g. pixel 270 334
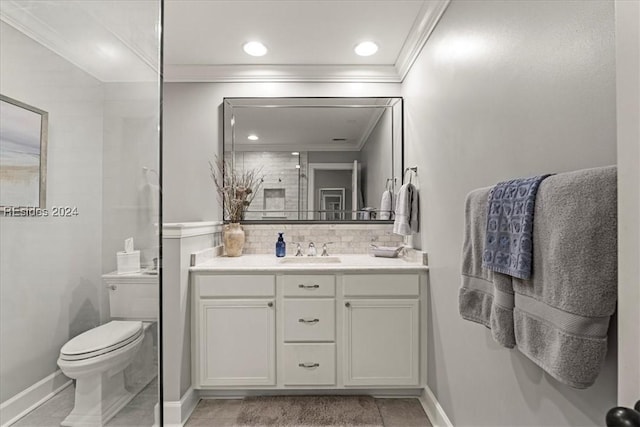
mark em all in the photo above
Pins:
pixel 381 330
pixel 312 328
pixel 234 330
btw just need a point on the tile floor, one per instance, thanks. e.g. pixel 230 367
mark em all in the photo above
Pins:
pixel 394 412
pixel 138 413
pixel 405 412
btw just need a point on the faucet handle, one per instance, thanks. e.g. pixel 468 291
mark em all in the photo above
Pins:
pixel 324 248
pixel 299 250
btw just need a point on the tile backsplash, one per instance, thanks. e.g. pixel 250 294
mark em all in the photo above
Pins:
pixel 346 238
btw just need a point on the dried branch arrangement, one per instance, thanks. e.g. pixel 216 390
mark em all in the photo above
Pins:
pixel 236 189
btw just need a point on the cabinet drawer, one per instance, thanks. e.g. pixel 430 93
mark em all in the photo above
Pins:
pixel 232 285
pixel 309 319
pixel 309 364
pixel 309 285
pixel 373 285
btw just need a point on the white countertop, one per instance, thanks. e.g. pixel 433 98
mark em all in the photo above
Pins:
pixel 248 263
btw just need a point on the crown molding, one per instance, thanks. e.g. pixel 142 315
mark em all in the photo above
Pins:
pixel 175 73
pixel 284 148
pixel 373 121
pixel 17 16
pixel 428 18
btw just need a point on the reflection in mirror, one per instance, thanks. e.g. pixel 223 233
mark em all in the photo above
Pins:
pixel 323 159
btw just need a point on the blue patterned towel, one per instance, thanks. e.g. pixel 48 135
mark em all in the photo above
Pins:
pixel 508 245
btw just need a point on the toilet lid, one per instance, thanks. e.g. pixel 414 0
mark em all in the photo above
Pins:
pixel 101 340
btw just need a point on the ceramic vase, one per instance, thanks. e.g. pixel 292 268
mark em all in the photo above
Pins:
pixel 233 239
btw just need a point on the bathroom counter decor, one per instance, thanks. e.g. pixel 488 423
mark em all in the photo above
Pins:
pixel 236 190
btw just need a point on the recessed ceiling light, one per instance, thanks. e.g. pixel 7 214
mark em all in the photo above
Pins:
pixel 255 48
pixel 252 137
pixel 366 48
pixel 295 153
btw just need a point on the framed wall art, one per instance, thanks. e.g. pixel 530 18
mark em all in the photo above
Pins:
pixel 23 155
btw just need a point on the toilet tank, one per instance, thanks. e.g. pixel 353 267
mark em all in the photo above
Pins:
pixel 133 296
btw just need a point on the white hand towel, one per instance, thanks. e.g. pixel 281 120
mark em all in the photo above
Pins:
pixel 407 217
pixel 385 205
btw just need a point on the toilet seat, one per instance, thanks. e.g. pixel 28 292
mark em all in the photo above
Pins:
pixel 103 339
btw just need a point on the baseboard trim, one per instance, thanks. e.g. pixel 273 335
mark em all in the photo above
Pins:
pixel 177 413
pixel 29 399
pixel 242 393
pixel 434 411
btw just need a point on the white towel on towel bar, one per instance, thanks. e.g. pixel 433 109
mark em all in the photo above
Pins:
pixel 407 217
pixel 385 205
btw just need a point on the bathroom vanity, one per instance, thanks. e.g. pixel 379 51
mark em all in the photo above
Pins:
pixel 347 322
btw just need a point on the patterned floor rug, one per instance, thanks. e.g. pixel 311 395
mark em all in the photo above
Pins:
pixel 309 411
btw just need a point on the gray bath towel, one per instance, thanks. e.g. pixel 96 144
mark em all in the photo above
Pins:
pixel 486 297
pixel 508 245
pixel 561 315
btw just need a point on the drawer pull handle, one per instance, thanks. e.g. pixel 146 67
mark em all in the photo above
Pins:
pixel 347 304
pixel 308 365
pixel 308 320
pixel 270 304
pixel 301 286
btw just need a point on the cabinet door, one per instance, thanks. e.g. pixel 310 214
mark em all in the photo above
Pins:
pixel 381 345
pixel 236 342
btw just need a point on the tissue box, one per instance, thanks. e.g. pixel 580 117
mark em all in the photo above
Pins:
pixel 128 262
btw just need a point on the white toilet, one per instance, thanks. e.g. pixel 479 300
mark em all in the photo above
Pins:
pixel 96 359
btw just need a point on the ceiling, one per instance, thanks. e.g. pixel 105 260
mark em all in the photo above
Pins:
pixel 308 40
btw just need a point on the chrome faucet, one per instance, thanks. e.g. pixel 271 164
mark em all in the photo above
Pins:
pixel 312 249
pixel 299 250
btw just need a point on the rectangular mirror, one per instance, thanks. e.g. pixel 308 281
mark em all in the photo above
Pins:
pixel 322 159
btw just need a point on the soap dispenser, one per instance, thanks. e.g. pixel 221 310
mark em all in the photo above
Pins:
pixel 281 246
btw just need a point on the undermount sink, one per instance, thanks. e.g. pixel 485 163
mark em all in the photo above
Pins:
pixel 310 260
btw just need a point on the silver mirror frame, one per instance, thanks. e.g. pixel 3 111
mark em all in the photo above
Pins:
pixel 397 140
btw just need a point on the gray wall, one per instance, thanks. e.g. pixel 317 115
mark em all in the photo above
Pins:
pixel 50 267
pixel 176 315
pixel 130 194
pixel 333 156
pixel 504 89
pixel 376 161
pixel 193 135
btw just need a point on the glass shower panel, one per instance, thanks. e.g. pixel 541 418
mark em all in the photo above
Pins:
pixel 80 173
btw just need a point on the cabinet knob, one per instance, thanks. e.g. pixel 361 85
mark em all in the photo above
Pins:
pixel 301 286
pixel 347 304
pixel 112 287
pixel 270 304
pixel 308 320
